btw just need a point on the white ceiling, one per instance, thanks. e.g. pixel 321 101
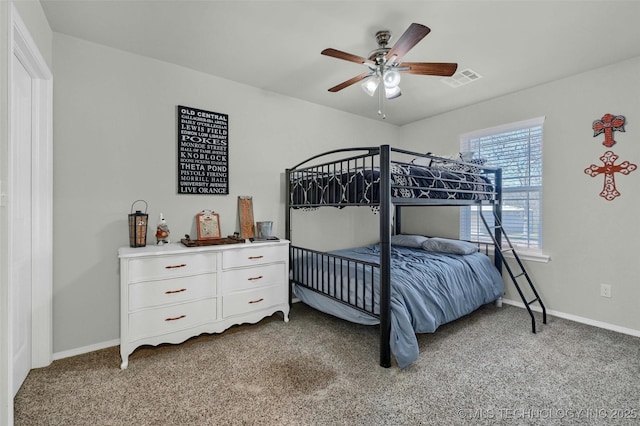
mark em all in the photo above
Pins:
pixel 276 45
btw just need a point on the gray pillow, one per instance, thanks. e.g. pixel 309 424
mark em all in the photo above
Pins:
pixel 408 240
pixel 444 245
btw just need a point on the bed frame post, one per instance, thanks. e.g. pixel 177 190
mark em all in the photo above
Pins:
pixel 497 213
pixel 287 224
pixel 385 256
pixel 287 212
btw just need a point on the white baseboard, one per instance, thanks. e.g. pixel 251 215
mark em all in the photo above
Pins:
pixel 85 349
pixel 576 318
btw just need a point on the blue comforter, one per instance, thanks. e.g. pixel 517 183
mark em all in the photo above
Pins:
pixel 427 290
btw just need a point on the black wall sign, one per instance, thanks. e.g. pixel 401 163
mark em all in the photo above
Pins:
pixel 203 152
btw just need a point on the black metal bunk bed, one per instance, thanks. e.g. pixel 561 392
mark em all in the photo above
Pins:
pixel 386 179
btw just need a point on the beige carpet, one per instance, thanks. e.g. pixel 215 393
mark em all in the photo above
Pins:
pixel 486 368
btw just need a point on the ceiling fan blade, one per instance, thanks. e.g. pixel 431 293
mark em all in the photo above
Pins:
pixel 429 68
pixel 410 38
pixel 350 82
pixel 346 56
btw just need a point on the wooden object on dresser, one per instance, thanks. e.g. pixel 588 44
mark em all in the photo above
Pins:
pixel 245 212
pixel 171 293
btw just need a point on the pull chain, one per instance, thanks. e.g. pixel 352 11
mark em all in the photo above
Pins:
pixel 381 96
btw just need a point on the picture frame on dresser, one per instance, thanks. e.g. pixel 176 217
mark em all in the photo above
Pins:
pixel 208 225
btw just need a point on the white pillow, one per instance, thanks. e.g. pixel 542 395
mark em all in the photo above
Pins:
pixel 421 161
pixel 408 240
pixel 444 245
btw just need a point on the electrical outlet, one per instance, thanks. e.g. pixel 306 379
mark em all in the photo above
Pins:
pixel 605 290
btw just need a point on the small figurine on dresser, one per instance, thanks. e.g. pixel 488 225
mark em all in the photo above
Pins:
pixel 162 231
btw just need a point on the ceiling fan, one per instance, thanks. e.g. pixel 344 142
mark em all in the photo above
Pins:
pixel 385 66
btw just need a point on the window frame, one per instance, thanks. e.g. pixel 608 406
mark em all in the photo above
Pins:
pixel 465 214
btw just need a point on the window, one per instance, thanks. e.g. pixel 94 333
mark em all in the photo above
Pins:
pixel 517 149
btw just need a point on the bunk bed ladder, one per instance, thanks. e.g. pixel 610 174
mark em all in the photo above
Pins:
pixel 498 229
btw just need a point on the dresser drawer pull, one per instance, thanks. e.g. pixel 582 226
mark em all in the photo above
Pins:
pixel 175 266
pixel 255 278
pixel 256 301
pixel 175 318
pixel 175 291
pixel 255 257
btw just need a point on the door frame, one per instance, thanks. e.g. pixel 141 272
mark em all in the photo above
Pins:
pixel 22 46
pixel 26 50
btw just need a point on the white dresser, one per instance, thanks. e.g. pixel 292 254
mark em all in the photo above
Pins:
pixel 171 293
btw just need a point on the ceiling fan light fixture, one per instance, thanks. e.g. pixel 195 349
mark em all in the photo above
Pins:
pixel 392 92
pixel 391 79
pixel 385 65
pixel 370 85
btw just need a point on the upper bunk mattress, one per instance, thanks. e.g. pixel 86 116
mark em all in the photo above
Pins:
pixel 407 181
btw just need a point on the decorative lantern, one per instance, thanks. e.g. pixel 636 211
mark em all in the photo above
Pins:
pixel 138 226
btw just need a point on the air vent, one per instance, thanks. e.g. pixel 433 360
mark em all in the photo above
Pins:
pixel 461 78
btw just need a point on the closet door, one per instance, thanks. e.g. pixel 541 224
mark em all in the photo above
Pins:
pixel 21 216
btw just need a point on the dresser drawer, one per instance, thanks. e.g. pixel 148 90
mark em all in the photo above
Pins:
pixel 258 255
pixel 174 290
pixel 161 267
pixel 163 320
pixel 242 302
pixel 255 277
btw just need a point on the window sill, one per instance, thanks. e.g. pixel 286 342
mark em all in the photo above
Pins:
pixel 529 255
pixel 523 253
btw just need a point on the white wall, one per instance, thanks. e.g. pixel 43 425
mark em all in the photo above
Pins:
pixel 590 240
pixel 115 142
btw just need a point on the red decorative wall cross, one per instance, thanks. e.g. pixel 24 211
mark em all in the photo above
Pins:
pixel 609 191
pixel 608 124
